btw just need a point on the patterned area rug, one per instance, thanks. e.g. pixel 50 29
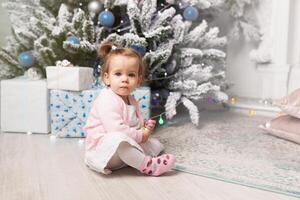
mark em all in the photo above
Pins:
pixel 230 147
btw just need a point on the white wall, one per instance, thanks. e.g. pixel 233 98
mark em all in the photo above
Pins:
pixel 4 24
pixel 241 71
pixel 281 21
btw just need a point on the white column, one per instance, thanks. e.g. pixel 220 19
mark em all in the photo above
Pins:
pixel 274 75
pixel 280 31
pixel 294 46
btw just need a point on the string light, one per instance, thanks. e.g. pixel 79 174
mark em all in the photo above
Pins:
pixel 80 142
pixel 174 112
pixel 156 79
pixel 122 25
pixel 251 113
pixel 161 10
pixel 160 121
pixel 210 100
pixel 280 114
pixel 53 138
pixel 233 100
pixel 266 101
pixel 122 29
pixel 160 115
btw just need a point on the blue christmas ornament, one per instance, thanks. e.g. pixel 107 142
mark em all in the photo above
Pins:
pixel 73 40
pixel 106 18
pixel 26 59
pixel 139 49
pixel 190 13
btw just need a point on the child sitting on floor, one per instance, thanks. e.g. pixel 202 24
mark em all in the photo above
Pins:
pixel 116 133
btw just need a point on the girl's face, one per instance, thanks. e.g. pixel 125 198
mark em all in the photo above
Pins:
pixel 123 75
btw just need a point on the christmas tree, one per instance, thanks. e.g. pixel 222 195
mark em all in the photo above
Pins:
pixel 183 54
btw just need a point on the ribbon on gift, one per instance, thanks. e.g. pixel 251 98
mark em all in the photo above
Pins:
pixel 63 63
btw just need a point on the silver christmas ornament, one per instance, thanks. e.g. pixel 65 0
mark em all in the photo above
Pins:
pixel 95 6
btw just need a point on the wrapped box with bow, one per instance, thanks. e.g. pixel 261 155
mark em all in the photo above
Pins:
pixel 65 76
pixel 69 109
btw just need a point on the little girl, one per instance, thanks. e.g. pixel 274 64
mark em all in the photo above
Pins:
pixel 116 133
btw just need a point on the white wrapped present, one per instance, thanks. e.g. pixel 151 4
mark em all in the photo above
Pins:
pixel 24 105
pixel 69 78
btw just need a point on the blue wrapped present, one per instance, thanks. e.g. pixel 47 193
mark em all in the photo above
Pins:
pixel 142 96
pixel 69 109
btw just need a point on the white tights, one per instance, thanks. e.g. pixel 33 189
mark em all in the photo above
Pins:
pixel 129 155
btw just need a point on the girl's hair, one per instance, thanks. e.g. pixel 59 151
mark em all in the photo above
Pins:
pixel 108 50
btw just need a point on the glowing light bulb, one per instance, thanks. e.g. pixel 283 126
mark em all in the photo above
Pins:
pixel 80 142
pixel 268 125
pixel 174 112
pixel 52 138
pixel 161 121
pixel 233 100
pixel 280 114
pixel 251 113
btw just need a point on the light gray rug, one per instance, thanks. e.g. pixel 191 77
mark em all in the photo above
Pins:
pixel 230 147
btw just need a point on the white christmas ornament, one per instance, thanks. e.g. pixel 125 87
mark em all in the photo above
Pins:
pixel 95 6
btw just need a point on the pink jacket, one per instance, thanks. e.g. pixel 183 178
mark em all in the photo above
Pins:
pixel 109 114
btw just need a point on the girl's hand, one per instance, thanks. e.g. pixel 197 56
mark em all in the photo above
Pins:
pixel 146 134
pixel 150 124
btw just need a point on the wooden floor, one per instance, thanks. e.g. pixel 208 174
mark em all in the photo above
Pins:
pixel 33 167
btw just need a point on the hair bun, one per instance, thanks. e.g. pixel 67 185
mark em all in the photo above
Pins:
pixel 105 49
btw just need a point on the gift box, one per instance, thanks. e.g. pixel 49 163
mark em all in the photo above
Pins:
pixel 69 78
pixel 69 110
pixel 142 96
pixel 24 105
